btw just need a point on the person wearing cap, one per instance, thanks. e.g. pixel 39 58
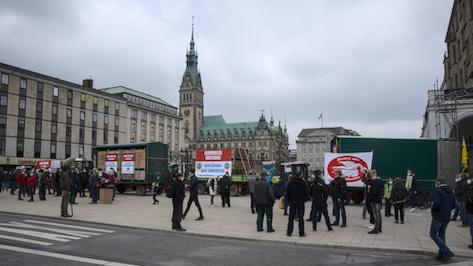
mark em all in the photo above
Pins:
pixel 224 189
pixel 443 202
pixel 264 201
pixel 319 192
pixel 178 195
pixel 92 182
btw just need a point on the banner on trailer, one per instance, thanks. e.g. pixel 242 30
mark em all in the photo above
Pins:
pixel 211 169
pixel 128 163
pixel 352 165
pixel 210 163
pixel 111 162
pixel 202 155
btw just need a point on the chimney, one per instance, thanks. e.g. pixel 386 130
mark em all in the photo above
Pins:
pixel 88 83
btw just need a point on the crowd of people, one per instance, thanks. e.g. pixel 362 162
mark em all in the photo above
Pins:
pixel 64 182
pixel 296 191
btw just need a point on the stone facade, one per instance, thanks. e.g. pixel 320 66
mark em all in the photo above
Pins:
pixel 150 119
pixel 263 140
pixel 312 143
pixel 458 59
pixel 42 117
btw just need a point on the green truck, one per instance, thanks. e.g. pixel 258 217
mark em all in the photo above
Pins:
pixel 393 157
pixel 137 165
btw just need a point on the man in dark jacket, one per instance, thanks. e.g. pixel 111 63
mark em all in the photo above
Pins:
pixel 339 190
pixel 194 196
pixel 319 193
pixel 460 194
pixel 264 201
pixel 251 184
pixel 297 193
pixel 178 195
pixel 93 179
pixel 65 184
pixel 375 196
pixel 469 207
pixel 224 189
pixel 443 201
pixel 75 184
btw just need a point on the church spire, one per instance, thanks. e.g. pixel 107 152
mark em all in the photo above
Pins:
pixel 192 72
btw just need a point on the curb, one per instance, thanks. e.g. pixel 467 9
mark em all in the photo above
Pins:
pixel 315 245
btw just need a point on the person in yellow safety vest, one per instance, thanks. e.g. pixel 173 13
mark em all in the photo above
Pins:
pixel 388 187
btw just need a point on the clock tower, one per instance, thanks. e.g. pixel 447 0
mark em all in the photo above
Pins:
pixel 191 97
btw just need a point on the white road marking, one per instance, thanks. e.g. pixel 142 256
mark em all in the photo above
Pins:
pixel 49 236
pixel 71 226
pixel 26 240
pixel 63 256
pixel 56 230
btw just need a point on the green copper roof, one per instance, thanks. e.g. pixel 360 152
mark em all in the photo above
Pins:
pixel 123 89
pixel 191 63
pixel 216 126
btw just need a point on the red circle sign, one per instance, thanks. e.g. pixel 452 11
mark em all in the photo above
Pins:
pixel 353 168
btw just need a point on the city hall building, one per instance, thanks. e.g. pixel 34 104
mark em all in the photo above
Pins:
pixel 262 139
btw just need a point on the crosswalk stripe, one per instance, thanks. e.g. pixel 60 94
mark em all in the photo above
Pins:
pixel 71 226
pixel 56 230
pixel 63 256
pixel 26 240
pixel 49 236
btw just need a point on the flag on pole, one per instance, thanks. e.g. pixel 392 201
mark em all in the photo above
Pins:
pixel 321 116
pixel 464 157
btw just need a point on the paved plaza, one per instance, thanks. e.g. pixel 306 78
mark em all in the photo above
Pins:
pixel 238 222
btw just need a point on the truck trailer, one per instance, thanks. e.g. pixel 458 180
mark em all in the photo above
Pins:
pixel 392 157
pixel 137 165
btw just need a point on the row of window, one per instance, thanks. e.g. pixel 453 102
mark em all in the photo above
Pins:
pixel 144 117
pixel 150 104
pixel 70 93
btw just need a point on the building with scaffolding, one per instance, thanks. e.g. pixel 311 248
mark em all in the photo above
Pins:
pixel 449 111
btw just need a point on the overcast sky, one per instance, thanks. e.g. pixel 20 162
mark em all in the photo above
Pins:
pixel 365 64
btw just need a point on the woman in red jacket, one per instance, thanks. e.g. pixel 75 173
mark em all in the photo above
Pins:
pixel 21 183
pixel 31 182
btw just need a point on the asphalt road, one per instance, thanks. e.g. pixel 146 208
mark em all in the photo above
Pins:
pixel 29 240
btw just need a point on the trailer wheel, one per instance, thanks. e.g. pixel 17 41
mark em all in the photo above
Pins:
pixel 244 191
pixel 348 199
pixel 234 191
pixel 357 196
pixel 121 188
pixel 141 190
pixel 201 188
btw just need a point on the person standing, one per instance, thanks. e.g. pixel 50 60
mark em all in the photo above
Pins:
pixel 398 198
pixel 319 193
pixel 460 194
pixel 224 189
pixel 83 179
pixel 411 188
pixel 339 191
pixel 284 194
pixel 469 208
pixel 264 201
pixel 193 197
pixel 43 183
pixel 65 184
pixel 31 184
pixel 155 186
pixel 178 195
pixel 21 182
pixel 212 189
pixel 388 187
pixel 375 195
pixel 297 193
pixel 251 184
pixel 93 185
pixel 443 201
pixel 75 183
